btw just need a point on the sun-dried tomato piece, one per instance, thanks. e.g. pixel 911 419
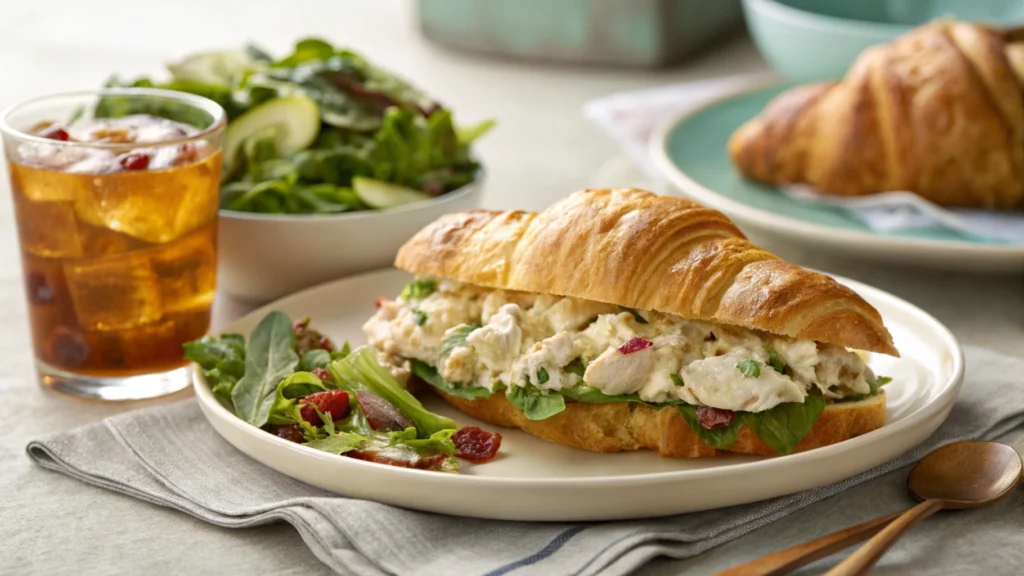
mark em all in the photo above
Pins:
pixel 290 432
pixel 335 402
pixel 476 445
pixel 418 462
pixel 380 413
pixel 323 374
pixel 635 345
pixel 711 418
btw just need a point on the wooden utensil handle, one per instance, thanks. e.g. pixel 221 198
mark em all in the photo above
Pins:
pixel 785 561
pixel 865 557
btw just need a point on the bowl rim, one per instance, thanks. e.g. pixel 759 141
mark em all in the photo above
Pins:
pixel 475 186
pixel 799 17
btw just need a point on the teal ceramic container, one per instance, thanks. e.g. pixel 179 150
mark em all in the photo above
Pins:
pixel 635 33
pixel 811 40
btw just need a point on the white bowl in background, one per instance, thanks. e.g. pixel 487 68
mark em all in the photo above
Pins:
pixel 265 256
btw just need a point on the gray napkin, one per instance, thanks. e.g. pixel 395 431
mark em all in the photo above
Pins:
pixel 170 456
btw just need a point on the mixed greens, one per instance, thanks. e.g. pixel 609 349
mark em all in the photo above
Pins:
pixel 319 131
pixel 290 381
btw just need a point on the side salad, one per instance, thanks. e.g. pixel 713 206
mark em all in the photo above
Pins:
pixel 319 131
pixel 289 380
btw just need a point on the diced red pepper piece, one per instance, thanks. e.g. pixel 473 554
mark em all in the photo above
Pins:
pixel 635 345
pixel 56 133
pixel 379 302
pixel 711 418
pixel 476 445
pixel 335 402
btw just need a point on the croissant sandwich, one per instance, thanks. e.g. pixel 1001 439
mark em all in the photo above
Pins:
pixel 621 320
pixel 939 111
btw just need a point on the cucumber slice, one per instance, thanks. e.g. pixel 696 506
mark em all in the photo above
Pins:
pixel 294 119
pixel 380 194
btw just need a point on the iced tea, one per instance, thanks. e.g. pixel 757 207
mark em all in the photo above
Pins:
pixel 117 220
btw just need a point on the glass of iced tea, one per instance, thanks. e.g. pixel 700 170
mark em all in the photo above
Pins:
pixel 116 195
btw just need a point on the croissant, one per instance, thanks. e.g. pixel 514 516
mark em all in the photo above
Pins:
pixel 938 111
pixel 613 249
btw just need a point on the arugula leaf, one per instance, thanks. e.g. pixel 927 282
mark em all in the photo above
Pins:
pixel 677 380
pixel 775 360
pixel 438 442
pixel 269 357
pixel 718 438
pixel 361 367
pixel 418 289
pixel 785 425
pixel 455 338
pixel 338 443
pixel 419 317
pixel 428 374
pixel 222 360
pixel 536 404
pixel 315 358
pixel 636 315
pixel 749 368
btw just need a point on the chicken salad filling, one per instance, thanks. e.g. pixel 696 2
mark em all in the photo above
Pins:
pixel 482 341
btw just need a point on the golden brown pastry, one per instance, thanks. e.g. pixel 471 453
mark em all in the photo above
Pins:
pixel 939 111
pixel 623 320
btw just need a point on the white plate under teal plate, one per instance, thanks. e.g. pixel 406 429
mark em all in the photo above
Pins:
pixel 535 480
pixel 689 150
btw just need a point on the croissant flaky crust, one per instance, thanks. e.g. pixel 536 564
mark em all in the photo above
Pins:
pixel 639 250
pixel 939 111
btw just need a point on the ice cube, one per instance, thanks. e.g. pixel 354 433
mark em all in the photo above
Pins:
pixel 186 269
pixel 159 206
pixel 99 241
pixel 47 229
pixel 114 293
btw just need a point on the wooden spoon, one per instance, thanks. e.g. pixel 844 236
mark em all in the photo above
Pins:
pixel 955 476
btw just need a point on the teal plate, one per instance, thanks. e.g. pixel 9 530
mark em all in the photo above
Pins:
pixel 690 150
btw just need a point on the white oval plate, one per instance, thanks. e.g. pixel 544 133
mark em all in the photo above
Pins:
pixel 690 151
pixel 535 480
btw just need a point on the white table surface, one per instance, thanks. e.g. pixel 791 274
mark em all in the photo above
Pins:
pixel 542 150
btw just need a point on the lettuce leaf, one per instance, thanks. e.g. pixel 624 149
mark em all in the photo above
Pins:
pixel 361 367
pixel 595 396
pixel 785 426
pixel 337 443
pixel 536 404
pixel 428 374
pixel 440 441
pixel 269 357
pixel 289 390
pixel 718 438
pixel 316 358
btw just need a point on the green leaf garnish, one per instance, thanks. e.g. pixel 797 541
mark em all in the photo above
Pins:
pixel 775 360
pixel 418 289
pixel 750 368
pixel 419 317
pixel 677 380
pixel 577 367
pixel 455 338
pixel 785 426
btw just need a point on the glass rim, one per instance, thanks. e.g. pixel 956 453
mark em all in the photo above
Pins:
pixel 214 109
